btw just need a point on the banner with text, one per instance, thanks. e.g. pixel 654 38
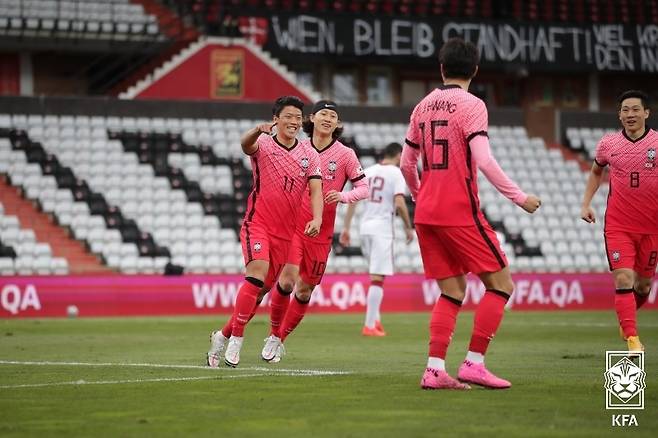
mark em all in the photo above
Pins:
pixel 210 294
pixel 503 45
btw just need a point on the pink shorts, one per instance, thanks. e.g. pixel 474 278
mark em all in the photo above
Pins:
pixel 310 257
pixel 257 244
pixel 634 251
pixel 453 251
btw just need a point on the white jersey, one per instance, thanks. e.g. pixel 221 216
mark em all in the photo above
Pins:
pixel 385 182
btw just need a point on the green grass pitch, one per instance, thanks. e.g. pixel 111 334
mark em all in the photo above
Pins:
pixel 554 360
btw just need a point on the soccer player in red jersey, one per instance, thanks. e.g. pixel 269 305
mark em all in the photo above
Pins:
pixel 448 130
pixel 631 216
pixel 283 167
pixel 308 255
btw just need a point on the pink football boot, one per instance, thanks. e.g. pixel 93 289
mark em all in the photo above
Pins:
pixel 439 379
pixel 476 373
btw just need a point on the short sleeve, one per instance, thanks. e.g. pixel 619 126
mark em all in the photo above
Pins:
pixel 413 137
pixel 314 166
pixel 601 155
pixel 262 142
pixel 400 184
pixel 354 169
pixel 476 120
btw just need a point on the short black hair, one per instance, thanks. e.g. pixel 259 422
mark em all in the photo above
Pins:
pixel 391 150
pixel 308 126
pixel 459 58
pixel 644 97
pixel 285 101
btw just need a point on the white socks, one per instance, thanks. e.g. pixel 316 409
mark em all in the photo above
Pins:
pixel 374 301
pixel 436 363
pixel 475 357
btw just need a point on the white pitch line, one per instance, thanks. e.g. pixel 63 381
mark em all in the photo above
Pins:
pixel 174 366
pixel 120 382
pixel 572 324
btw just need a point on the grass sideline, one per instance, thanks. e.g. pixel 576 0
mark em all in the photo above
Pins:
pixel 555 361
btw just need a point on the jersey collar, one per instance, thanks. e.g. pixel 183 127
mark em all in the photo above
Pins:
pixel 276 140
pixel 448 87
pixel 646 131
pixel 325 149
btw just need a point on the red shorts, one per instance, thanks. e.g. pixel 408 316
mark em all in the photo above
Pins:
pixel 635 251
pixel 311 258
pixel 452 251
pixel 257 244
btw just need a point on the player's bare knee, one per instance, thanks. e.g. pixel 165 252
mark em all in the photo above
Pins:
pixel 304 291
pixel 643 286
pixel 624 279
pixel 287 283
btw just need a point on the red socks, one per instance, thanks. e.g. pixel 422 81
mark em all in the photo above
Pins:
pixel 625 305
pixel 442 325
pixel 294 316
pixel 488 316
pixel 280 300
pixel 245 304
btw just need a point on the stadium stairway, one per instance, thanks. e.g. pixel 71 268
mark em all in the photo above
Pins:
pixel 173 27
pixel 80 260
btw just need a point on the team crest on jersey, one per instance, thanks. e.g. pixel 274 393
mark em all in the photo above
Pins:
pixel 304 163
pixel 331 167
pixel 616 256
pixel 258 246
pixel 651 158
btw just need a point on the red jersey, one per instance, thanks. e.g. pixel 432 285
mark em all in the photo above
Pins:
pixel 338 164
pixel 441 126
pixel 633 196
pixel 280 177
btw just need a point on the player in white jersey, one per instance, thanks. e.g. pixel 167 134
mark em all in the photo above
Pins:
pixel 387 189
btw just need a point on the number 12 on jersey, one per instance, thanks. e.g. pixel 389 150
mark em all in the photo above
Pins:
pixel 435 156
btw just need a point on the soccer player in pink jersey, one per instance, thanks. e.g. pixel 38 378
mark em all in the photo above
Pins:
pixel 448 130
pixel 631 216
pixel 308 255
pixel 283 168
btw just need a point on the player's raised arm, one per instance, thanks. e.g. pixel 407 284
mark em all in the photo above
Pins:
pixel 250 137
pixel 344 237
pixel 489 166
pixel 593 182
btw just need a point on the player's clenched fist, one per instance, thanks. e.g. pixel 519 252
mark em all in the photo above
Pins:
pixel 587 214
pixel 312 228
pixel 531 204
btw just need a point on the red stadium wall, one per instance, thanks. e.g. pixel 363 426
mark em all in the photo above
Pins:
pixel 222 72
pixel 148 295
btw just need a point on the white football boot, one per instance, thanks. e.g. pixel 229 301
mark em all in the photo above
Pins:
pixel 273 349
pixel 217 344
pixel 232 355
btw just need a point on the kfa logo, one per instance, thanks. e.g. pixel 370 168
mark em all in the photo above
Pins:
pixel 304 163
pixel 616 256
pixel 257 246
pixel 624 380
pixel 331 167
pixel 651 158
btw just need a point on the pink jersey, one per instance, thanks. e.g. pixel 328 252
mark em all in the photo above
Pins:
pixel 633 196
pixel 338 164
pixel 280 178
pixel 441 127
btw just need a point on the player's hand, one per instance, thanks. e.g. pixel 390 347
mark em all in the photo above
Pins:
pixel 531 204
pixel 587 214
pixel 344 238
pixel 265 128
pixel 410 234
pixel 332 197
pixel 312 228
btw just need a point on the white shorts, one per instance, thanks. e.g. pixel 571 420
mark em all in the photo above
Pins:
pixel 378 251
